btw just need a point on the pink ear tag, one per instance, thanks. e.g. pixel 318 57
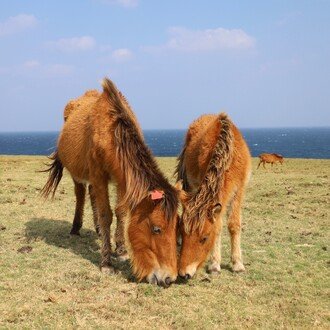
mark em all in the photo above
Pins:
pixel 156 194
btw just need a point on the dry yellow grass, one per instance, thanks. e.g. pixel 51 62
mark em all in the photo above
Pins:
pixel 51 280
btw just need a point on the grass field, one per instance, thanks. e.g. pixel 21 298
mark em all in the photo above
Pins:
pixel 51 280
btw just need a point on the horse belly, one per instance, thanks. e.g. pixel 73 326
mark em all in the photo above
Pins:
pixel 73 152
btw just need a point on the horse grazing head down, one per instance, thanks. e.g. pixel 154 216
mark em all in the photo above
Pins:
pixel 151 237
pixel 198 232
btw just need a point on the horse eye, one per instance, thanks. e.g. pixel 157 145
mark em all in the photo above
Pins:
pixel 156 230
pixel 204 239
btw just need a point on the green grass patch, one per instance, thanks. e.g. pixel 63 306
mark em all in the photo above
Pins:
pixel 51 280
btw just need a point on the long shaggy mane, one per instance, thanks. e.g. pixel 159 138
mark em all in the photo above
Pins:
pixel 142 173
pixel 199 205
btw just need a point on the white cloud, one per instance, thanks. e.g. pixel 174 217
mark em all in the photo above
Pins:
pixel 105 48
pixel 35 68
pixel 122 54
pixel 4 70
pixel 31 64
pixel 182 39
pixel 72 44
pixel 58 70
pixel 48 70
pixel 16 24
pixel 123 3
pixel 288 18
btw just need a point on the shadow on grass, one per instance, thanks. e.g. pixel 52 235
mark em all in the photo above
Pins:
pixel 56 233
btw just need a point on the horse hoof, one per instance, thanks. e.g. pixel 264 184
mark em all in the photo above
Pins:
pixel 121 253
pixel 74 232
pixel 238 267
pixel 98 232
pixel 214 269
pixel 123 257
pixel 108 270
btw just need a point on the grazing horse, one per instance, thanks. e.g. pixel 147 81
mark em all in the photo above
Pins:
pixel 213 170
pixel 270 158
pixel 83 103
pixel 103 142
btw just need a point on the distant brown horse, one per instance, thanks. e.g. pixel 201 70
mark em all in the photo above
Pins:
pixel 102 142
pixel 214 168
pixel 270 158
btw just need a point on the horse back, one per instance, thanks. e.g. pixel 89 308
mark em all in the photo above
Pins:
pixel 201 140
pixel 85 135
pixel 270 158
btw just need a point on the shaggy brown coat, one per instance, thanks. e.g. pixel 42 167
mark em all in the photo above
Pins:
pixel 101 142
pixel 214 167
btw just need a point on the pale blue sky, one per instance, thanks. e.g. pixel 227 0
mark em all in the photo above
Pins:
pixel 264 62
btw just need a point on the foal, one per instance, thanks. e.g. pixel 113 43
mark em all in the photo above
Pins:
pixel 213 170
pixel 102 142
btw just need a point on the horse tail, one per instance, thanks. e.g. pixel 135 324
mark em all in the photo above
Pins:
pixel 55 169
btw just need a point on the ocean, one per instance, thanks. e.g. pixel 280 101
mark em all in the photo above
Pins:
pixel 289 142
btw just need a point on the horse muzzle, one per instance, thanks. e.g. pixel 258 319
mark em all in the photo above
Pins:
pixel 161 278
pixel 188 272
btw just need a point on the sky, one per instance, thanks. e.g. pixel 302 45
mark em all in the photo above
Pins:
pixel 266 63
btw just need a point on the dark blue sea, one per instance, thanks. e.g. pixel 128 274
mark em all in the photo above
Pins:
pixel 290 142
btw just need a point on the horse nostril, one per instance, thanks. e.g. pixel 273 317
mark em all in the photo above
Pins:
pixel 168 281
pixel 187 277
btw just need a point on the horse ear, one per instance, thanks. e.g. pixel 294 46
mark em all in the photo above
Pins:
pixel 179 185
pixel 182 194
pixel 156 194
pixel 216 211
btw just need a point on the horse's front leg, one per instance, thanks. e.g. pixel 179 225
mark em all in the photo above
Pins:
pixel 234 228
pixel 214 265
pixel 100 192
pixel 122 217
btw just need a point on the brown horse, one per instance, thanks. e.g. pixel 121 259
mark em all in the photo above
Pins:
pixel 213 169
pixel 270 158
pixel 83 103
pixel 102 142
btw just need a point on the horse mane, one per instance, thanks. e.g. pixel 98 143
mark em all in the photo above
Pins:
pixel 200 204
pixel 180 170
pixel 141 171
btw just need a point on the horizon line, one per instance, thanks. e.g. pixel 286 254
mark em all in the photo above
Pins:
pixel 177 129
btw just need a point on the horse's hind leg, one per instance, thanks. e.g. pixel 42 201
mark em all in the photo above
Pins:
pixel 234 228
pixel 80 191
pixel 100 191
pixel 259 164
pixel 94 208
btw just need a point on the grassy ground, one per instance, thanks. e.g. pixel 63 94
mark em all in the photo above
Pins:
pixel 49 279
